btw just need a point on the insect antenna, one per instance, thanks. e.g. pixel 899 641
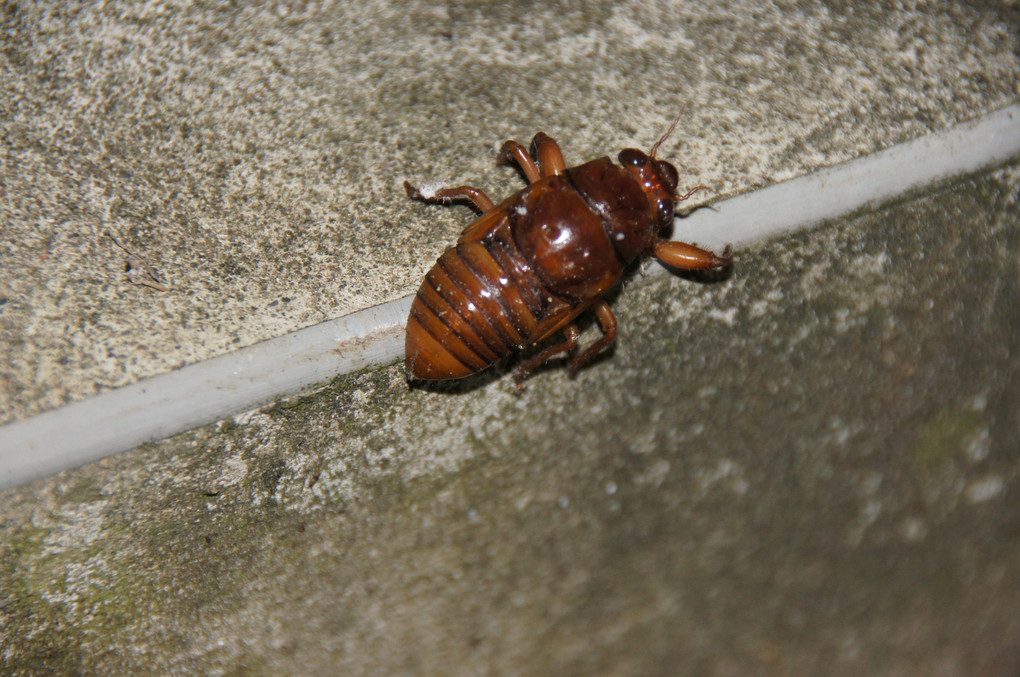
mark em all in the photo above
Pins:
pixel 669 131
pixel 692 191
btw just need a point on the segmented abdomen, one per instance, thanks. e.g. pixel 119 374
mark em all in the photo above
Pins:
pixel 480 301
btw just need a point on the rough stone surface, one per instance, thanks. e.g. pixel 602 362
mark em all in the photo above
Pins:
pixel 251 155
pixel 808 468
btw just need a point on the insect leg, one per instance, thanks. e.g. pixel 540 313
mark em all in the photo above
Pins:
pixel 545 149
pixel 515 152
pixel 571 334
pixel 477 197
pixel 689 257
pixel 608 323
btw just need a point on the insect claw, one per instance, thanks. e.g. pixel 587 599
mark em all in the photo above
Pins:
pixel 726 258
pixel 506 152
pixel 411 191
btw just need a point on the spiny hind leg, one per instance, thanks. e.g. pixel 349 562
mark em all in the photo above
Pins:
pixel 544 149
pixel 608 323
pixel 570 333
pixel 475 195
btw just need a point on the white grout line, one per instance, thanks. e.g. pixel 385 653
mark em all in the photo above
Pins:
pixel 163 405
pixel 121 419
pixel 826 194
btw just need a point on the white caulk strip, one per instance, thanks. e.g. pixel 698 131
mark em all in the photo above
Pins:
pixel 835 191
pixel 122 419
pixel 161 406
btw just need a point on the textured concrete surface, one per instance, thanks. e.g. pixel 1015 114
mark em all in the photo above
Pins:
pixel 250 156
pixel 808 468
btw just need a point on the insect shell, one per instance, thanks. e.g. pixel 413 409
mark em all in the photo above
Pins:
pixel 526 268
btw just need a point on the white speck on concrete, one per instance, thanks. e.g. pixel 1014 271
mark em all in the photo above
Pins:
pixel 76 526
pixel 235 471
pixel 727 472
pixel 913 529
pixel 655 475
pixel 870 264
pixel 978 445
pixel 871 483
pixel 727 317
pixel 984 489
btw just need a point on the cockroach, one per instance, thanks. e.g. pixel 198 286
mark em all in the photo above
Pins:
pixel 526 268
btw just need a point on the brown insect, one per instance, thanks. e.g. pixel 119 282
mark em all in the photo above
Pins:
pixel 527 267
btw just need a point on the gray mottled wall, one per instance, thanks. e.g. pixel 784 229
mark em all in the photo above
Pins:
pixel 807 467
pixel 253 155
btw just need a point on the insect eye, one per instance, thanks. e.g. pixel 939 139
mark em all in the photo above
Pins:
pixel 670 174
pixel 632 157
pixel 664 212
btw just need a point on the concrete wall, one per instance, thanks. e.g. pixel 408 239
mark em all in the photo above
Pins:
pixel 808 466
